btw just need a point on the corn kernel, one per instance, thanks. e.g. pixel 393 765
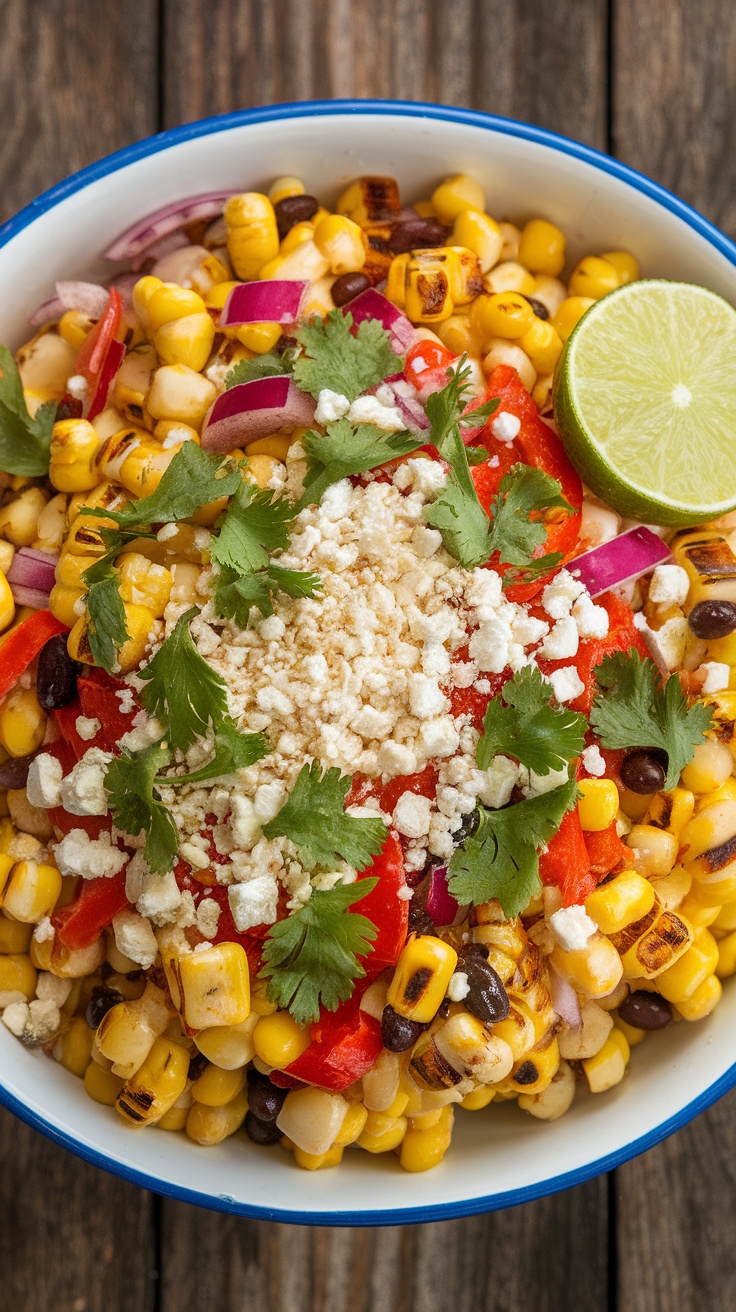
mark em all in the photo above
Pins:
pixel 283 187
pixel 542 247
pixel 597 804
pixel 456 194
pixel 186 340
pixel 457 335
pixel 211 1125
pixel 175 1119
pixel 17 974
pixel 656 848
pixel 211 987
pixel 252 234
pixel 671 810
pixel 726 957
pixel 702 1002
pixel 480 234
pixel 396 280
pixel 608 1067
pixel 652 944
pixel 594 970
pixel 216 1086
pixel 421 1149
pixel 32 891
pixel 318 1161
pixel 421 977
pixel 509 276
pixel 680 981
pixel 618 903
pixel 500 351
pixel 15 936
pixel 74 445
pixel 278 1040
pixel 73 1048
pixel 569 314
pixel 295 236
pixel 711 766
pixel 260 469
pixel 428 297
pixel 156 1085
pixel 144 584
pixel 7 603
pixel 633 1035
pixel 257 337
pixel 543 346
pixel 19 518
pixel 370 200
pixel 477 1099
pixel 276 447
pixel 353 1125
pixel 503 314
pixel 382 1133
pixel 593 277
pixel 229 1046
pixel 180 393
pixel 343 243
pixel 626 266
pixel 101 1085
pixel 22 722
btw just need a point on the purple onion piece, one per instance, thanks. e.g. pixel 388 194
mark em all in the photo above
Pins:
pixel 624 558
pixel 256 409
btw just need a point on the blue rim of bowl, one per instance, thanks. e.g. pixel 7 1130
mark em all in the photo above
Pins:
pixel 507 127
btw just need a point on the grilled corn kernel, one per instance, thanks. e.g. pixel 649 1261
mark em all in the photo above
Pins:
pixel 708 850
pixel 478 233
pixel 593 970
pixel 73 1048
pixel 709 561
pixel 286 186
pixel 32 891
pixel 502 314
pixel 569 314
pixel 671 810
pixel 702 1002
pixel 74 445
pixel 656 848
pixel 421 1149
pixel 156 1085
pixel 17 974
pixel 593 277
pixel 187 340
pixel 680 981
pixel 15 936
pixel 509 276
pixel 466 280
pixel 608 1067
pixel 542 247
pixel 543 346
pixel 553 1101
pixel 472 1049
pixel 144 584
pixel 212 986
pixel 343 243
pixel 19 518
pixel 711 766
pixel 216 1086
pixel 132 382
pixel 252 234
pixel 101 1085
pixel 22 722
pixel 370 199
pixel 127 1032
pixel 625 899
pixel 652 944
pixel 597 804
pixel 626 266
pixel 537 1071
pixel 229 1046
pixel 180 393
pixel 7 604
pixel 382 1133
pixel 211 1125
pixel 353 1125
pixel 456 194
pixel 427 295
pixel 278 1040
pixel 396 280
pixel 421 978
pixel 458 336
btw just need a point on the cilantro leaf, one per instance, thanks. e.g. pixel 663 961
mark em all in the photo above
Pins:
pixel 311 957
pixel 501 859
pixel 477 455
pixel 24 442
pixel 182 690
pixel 255 523
pixel 344 362
pixel 541 736
pixel 314 818
pixel 269 365
pixel 135 804
pixel 514 535
pixel 190 482
pixel 637 709
pixel 457 512
pixel 445 410
pixel 106 631
pixel 236 595
pixel 346 449
pixel 233 751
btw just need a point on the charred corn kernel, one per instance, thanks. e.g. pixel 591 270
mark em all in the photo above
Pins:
pixel 656 848
pixel 536 1071
pixel 252 234
pixel 543 346
pixel 509 276
pixel 353 1125
pixel 502 314
pixel 553 1101
pixel 132 382
pixel 15 936
pixel 258 337
pixel 593 276
pixel 180 393
pixel 654 943
pixel 7 603
pixel 702 1002
pixel 711 766
pixel 142 628
pixel 216 1086
pixel 500 351
pixel 67 963
pixel 634 805
pixel 260 469
pixel 625 899
pixel 295 236
pixel 472 1049
pixel 211 1125
pixel 421 1149
pixel 421 977
pixel 626 266
pixel 726 956
pixel 569 314
pixel 455 194
pixel 672 889
pixel 680 981
pixel 370 199
pixel 174 1119
pixel 278 1040
pixel 550 291
pixel 74 445
pixel 75 327
pixel 396 280
pixel 593 970
pixel 187 340
pixel 17 974
pixel 710 563
pixel 428 297
pixel 128 1031
pixel 318 1161
pixel 466 280
pixel 286 186
pixel 342 242
pixel 22 722
pixel 478 233
pixel 101 1085
pixel 228 1046
pixel 671 810
pixel 542 247
pixel 608 1067
pixel 73 1048
pixel 18 519
pixel 156 1085
pixel 211 987
pixel 44 364
pixel 32 891
pixel 52 524
pixel 478 1098
pixel 633 1035
pixel 708 850
pixel 77 643
pixel 381 1133
pixel 457 335
pixel 144 584
pixel 597 804
pixel 431 1070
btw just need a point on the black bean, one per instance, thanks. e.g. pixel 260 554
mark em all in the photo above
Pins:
pixel 197 1066
pixel 468 827
pixel 420 922
pixel 539 309
pixel 398 1032
pixel 264 1098
pixel 487 998
pixel 292 210
pixel 103 1000
pixel 526 1074
pixel 348 286
pixel 411 234
pixel 643 771
pixel 712 619
pixel 56 681
pixel 263 1132
pixel 69 408
pixel 646 1011
pixel 14 773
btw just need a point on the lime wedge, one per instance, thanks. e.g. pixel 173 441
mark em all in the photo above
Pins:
pixel 645 401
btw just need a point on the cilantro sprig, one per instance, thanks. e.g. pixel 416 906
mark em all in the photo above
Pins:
pixel 193 479
pixel 345 362
pixel 269 365
pixel 346 449
pixel 314 818
pixel 255 524
pixel 106 628
pixel 24 441
pixel 637 708
pixel 311 958
pixel 541 736
pixel 501 859
pixel 136 806
pixel 514 534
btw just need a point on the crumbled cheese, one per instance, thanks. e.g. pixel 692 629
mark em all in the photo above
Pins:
pixel 208 916
pixel 533 784
pixel 92 858
pixel 566 683
pixel 33 1023
pixel 458 987
pixel 159 897
pixel 369 410
pixel 559 595
pixel 426 541
pixel 146 730
pixel 126 699
pixel 50 988
pixel 134 937
pixel 44 778
pixel 16 1017
pixel 82 791
pixel 254 903
pixel 499 781
pixel 572 927
pixel 717 676
pixel 562 640
pixel 412 815
pixel 44 931
pixel 77 387
pixel 669 586
pixel 506 426
pixel 330 406
pixel 194 856
pixel 591 620
pixel 671 638
pixel 594 762
pixel 87 727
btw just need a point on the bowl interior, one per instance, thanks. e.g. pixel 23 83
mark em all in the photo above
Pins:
pixel 500 1156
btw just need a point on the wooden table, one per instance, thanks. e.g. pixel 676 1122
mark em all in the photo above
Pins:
pixel 652 81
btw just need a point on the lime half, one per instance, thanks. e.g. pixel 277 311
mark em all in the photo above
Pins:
pixel 645 401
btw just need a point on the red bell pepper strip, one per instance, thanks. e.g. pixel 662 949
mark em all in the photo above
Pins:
pixel 385 907
pixel 566 862
pixel 66 722
pixel 622 636
pixel 81 923
pixel 93 352
pixel 606 852
pixel 23 645
pixel 425 367
pixel 99 701
pixel 345 1045
pixel 113 361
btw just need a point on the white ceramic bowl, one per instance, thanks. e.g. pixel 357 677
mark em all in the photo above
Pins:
pixel 500 1157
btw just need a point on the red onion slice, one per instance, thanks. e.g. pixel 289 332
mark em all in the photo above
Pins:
pixel 407 403
pixel 87 297
pixel 142 234
pixel 33 569
pixel 441 906
pixel 564 999
pixel 256 409
pixel 173 241
pixel 625 557
pixel 277 300
pixel 30 597
pixel 373 305
pixel 49 310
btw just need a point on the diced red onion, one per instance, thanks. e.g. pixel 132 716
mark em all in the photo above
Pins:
pixel 256 409
pixel 33 569
pixel 124 283
pixel 179 265
pixel 625 557
pixel 87 297
pixel 441 906
pixel 373 305
pixel 275 300
pixel 407 403
pixel 49 310
pixel 113 361
pixel 564 999
pixel 173 241
pixel 142 234
pixel 30 597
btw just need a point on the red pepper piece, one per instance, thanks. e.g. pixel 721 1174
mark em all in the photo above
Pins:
pixel 566 862
pixel 622 636
pixel 99 701
pixel 606 852
pixel 92 355
pixel 22 646
pixel 426 367
pixel 345 1045
pixel 81 923
pixel 384 906
pixel 66 722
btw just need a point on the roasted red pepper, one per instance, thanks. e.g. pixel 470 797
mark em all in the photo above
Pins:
pixel 622 636
pixel 426 367
pixel 606 851
pixel 23 645
pixel 98 698
pixel 345 1044
pixel 81 923
pixel 92 357
pixel 385 907
pixel 566 862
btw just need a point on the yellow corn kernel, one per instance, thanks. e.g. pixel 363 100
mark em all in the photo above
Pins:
pixel 75 327
pixel 353 1125
pixel 709 561
pixel 369 200
pixel 543 346
pixel 421 977
pixel 608 1067
pixel 625 899
pixel 656 848
pixel 550 291
pixel 127 1032
pixel 216 1086
pixel 143 628
pixel 15 936
pixel 726 956
pixel 229 1046
pixel 144 584
pixel 457 335
pixel 702 1002
pixel 169 302
pixel 187 340
pixel 257 337
pixel 22 722
pixel 172 432
pixel 536 1071
pixel 73 1048
pixel 342 242
pixel 569 314
pixel 699 914
pixel 382 1133
pixel 132 382
pixel 542 392
pixel 295 236
pixel 74 445
pixel 478 233
pixel 633 1035
pixel 32 891
pixel 680 981
pixel 142 293
pixel 276 447
pixel 283 187
pixel 509 276
pixel 17 975
pixel 421 1149
pixel 711 766
pixel 318 1161
pixel 594 277
pixel 180 393
pixel 671 810
pixel 175 1119
pixel 252 234
pixel 7 604
pixel 478 1098
pixel 542 247
pixel 211 987
pixel 278 1040
pixel 52 524
pixel 396 280
pixel 19 518
pixel 260 470
pixel 101 1085
pixel 455 194
pixel 725 922
pixel 469 1048
pixel 598 804
pixel 211 1125
pixel 399 1105
pixel 466 280
pixel 625 264
pixel 654 943
pixel 63 602
pixel 723 650
pixel 708 851
pixel 156 1085
pixel 594 970
pixel 503 314
pixel 672 889
pixel 500 351
pixel 427 294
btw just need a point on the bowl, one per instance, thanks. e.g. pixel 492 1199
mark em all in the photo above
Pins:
pixel 500 1157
